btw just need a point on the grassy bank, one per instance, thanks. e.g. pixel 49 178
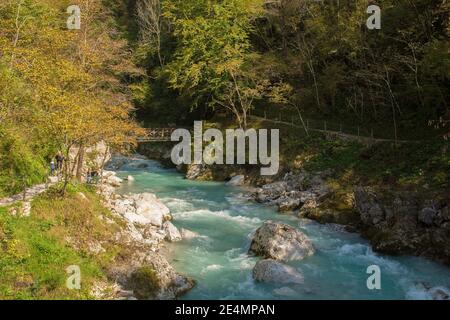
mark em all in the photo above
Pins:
pixel 36 250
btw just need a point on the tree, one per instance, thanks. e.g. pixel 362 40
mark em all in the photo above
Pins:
pixel 73 78
pixel 149 14
pixel 213 51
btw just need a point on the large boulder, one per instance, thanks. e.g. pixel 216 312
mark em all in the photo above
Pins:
pixel 281 242
pixel 269 270
pixel 152 277
pixel 172 233
pixel 171 283
pixel 142 209
pixel 114 181
pixel 110 178
pixel 123 205
pixel 150 209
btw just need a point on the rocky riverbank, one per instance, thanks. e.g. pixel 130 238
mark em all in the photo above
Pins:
pixel 145 273
pixel 396 222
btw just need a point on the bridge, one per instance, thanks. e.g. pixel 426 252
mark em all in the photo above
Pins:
pixel 157 135
pixel 164 134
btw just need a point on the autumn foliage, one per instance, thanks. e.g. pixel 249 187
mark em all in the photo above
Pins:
pixel 62 88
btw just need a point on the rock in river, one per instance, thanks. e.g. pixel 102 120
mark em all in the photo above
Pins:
pixel 281 242
pixel 172 233
pixel 269 270
pixel 236 181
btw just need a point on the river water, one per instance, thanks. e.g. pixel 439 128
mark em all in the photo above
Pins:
pixel 225 219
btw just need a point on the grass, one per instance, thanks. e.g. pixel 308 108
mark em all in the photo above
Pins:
pixel 404 166
pixel 145 282
pixel 36 250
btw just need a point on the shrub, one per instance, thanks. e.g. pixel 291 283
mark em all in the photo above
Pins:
pixel 19 165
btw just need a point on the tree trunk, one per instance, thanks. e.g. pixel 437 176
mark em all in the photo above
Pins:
pixel 80 161
pixel 66 173
pixel 103 162
pixel 301 119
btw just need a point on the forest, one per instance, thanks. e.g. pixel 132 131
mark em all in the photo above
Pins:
pixel 58 88
pixel 172 62
pixel 314 59
pixel 357 92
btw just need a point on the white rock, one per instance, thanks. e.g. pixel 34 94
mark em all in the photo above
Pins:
pixel 188 234
pixel 236 181
pixel 107 174
pixel 123 206
pixel 269 270
pixel 150 209
pixel 142 209
pixel 130 179
pixel 172 233
pixel 132 217
pixel 114 181
pixel 281 242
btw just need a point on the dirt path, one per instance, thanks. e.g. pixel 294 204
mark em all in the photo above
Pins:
pixel 337 134
pixel 30 193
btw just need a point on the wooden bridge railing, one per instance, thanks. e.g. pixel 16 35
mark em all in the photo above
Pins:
pixel 157 134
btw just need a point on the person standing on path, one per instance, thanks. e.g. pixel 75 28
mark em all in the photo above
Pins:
pixel 59 160
pixel 52 168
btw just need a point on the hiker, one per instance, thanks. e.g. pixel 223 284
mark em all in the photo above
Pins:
pixel 92 177
pixel 89 177
pixel 59 160
pixel 52 168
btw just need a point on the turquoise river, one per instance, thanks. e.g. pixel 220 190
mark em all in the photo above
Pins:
pixel 224 218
